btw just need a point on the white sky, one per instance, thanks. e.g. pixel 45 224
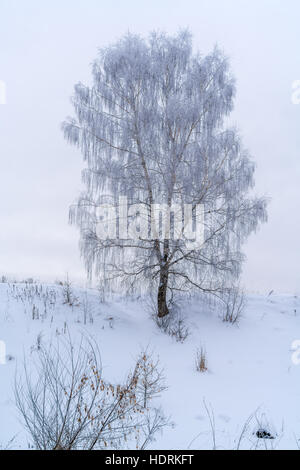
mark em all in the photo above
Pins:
pixel 48 46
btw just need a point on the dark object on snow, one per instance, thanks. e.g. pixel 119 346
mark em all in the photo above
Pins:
pixel 263 434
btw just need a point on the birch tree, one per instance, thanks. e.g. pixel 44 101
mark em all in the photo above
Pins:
pixel 152 128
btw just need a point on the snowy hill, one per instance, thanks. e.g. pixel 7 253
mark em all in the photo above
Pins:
pixel 252 381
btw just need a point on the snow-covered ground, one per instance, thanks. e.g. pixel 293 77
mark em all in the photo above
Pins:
pixel 251 372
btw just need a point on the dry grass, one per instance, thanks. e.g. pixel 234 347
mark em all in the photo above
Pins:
pixel 201 360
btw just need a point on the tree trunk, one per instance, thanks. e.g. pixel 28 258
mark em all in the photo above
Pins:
pixel 162 295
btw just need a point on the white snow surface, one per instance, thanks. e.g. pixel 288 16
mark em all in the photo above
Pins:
pixel 250 368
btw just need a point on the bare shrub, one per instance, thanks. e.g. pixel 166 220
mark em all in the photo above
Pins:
pixel 172 324
pixel 179 330
pixel 201 360
pixel 152 379
pixel 163 323
pixel 69 297
pixel 38 343
pixel 154 423
pixel 234 300
pixel 87 310
pixel 67 404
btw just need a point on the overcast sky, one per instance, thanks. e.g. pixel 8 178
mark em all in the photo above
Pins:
pixel 48 46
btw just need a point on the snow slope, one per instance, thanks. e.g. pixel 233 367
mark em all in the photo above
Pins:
pixel 251 371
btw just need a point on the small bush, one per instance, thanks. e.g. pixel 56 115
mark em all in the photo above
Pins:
pixel 152 379
pixel 68 295
pixel 66 404
pixel 87 310
pixel 172 324
pixel 234 303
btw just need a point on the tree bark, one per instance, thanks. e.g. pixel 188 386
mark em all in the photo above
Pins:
pixel 162 307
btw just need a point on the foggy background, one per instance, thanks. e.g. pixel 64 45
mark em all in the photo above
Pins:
pixel 46 47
